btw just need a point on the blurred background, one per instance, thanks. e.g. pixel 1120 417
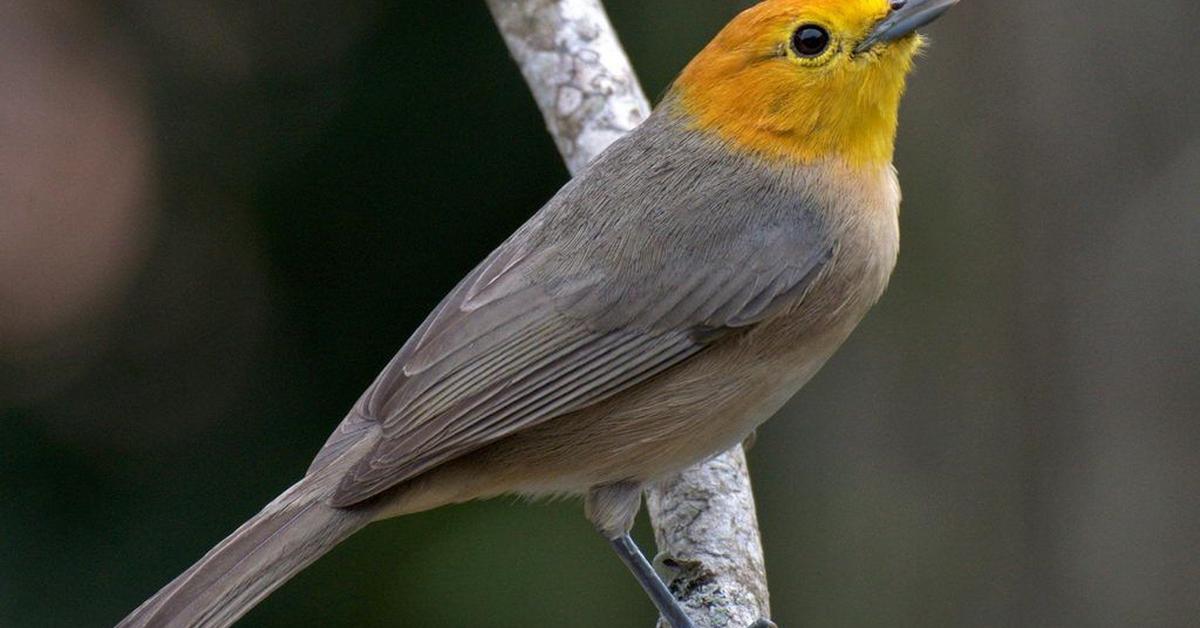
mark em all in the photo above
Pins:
pixel 219 219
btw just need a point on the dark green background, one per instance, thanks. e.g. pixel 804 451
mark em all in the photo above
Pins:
pixel 1009 439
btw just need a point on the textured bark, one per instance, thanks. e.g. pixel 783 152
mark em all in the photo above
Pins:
pixel 706 527
pixel 704 518
pixel 577 71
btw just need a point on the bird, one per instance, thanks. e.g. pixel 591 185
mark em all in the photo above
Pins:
pixel 660 306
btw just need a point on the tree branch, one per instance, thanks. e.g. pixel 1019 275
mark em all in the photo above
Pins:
pixel 704 518
pixel 707 530
pixel 578 72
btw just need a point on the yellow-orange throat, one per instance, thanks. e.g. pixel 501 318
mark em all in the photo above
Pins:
pixel 753 88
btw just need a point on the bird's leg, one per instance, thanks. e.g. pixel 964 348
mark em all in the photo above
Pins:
pixel 666 603
pixel 612 509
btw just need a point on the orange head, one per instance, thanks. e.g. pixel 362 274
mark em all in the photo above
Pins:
pixel 808 80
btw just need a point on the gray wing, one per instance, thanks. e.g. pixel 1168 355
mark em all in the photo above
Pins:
pixel 562 316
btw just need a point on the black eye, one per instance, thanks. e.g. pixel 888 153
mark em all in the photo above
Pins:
pixel 810 40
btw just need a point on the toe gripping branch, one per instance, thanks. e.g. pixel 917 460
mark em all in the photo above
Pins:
pixel 656 589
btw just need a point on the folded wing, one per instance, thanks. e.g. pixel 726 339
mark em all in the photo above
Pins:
pixel 577 307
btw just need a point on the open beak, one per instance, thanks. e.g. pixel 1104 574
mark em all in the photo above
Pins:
pixel 905 18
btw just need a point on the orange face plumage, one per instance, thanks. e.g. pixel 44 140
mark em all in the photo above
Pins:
pixel 787 79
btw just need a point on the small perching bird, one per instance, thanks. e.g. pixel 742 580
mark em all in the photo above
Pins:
pixel 665 302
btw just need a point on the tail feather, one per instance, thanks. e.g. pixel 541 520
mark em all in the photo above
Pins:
pixel 285 537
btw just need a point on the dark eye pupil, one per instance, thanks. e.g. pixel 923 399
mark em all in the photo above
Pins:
pixel 810 41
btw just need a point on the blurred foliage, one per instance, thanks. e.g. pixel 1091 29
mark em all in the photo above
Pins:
pixel 1009 439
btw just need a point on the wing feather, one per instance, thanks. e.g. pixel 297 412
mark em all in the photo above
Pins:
pixel 583 302
pixel 565 381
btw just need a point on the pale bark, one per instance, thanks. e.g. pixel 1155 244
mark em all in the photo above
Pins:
pixel 704 518
pixel 578 72
pixel 706 528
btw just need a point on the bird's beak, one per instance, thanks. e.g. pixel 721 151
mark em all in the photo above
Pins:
pixel 905 18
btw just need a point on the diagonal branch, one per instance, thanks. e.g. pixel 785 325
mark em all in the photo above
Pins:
pixel 704 518
pixel 578 72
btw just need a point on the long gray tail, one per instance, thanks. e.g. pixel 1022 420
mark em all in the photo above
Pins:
pixel 288 535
